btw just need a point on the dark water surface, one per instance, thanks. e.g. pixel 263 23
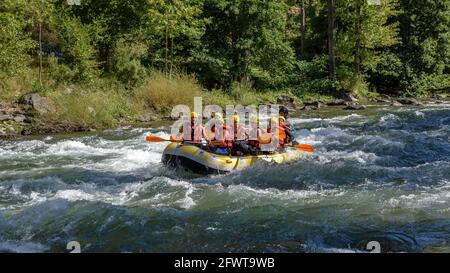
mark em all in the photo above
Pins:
pixel 380 175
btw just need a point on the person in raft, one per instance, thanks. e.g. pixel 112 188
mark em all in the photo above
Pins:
pixel 240 136
pixel 196 133
pixel 290 130
pixel 255 144
pixel 222 141
pixel 279 127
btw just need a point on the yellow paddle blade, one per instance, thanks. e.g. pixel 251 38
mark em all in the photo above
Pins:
pixel 305 147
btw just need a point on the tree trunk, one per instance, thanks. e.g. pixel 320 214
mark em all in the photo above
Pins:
pixel 166 66
pixel 358 37
pixel 303 26
pixel 171 56
pixel 331 51
pixel 40 53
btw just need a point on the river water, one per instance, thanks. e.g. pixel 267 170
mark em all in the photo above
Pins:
pixel 378 175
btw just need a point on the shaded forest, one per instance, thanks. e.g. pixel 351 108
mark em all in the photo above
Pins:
pixel 322 47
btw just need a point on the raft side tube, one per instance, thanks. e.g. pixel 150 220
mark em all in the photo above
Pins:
pixel 195 159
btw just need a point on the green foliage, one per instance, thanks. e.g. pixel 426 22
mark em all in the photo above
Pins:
pixel 161 93
pixel 76 45
pixel 14 45
pixel 243 51
pixel 126 62
pixel 89 108
pixel 174 29
pixel 425 48
pixel 310 77
pixel 245 41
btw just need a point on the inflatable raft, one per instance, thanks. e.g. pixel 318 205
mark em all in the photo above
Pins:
pixel 193 158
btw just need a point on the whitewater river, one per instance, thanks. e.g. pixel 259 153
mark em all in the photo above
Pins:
pixel 378 175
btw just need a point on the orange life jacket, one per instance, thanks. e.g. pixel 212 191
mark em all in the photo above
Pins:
pixel 227 138
pixel 282 137
pixel 195 135
pixel 256 143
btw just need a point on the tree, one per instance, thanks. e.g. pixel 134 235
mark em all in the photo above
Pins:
pixel 14 44
pixel 331 50
pixel 303 26
pixel 366 34
pixel 39 12
pixel 245 41
pixel 425 47
pixel 175 29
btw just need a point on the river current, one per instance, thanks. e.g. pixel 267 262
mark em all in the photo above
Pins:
pixel 381 175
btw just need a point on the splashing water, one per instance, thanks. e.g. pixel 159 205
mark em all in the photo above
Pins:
pixel 379 175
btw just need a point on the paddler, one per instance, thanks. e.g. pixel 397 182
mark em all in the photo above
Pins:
pixel 280 129
pixel 196 133
pixel 255 144
pixel 240 134
pixel 290 130
pixel 222 142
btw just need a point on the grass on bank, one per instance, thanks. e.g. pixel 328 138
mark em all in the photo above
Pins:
pixel 106 103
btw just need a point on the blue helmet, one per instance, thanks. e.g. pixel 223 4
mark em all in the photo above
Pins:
pixel 284 111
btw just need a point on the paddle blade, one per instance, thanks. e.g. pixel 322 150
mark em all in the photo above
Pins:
pixel 305 147
pixel 154 139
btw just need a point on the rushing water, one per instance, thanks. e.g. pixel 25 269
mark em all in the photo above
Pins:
pixel 381 175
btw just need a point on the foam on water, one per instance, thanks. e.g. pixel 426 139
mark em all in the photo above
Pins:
pixel 371 172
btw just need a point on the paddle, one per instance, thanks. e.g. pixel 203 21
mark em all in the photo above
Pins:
pixel 301 147
pixel 304 147
pixel 158 139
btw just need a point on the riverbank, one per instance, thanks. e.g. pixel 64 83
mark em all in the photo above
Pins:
pixel 33 114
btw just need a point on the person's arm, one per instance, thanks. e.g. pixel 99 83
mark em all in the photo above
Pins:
pixel 292 129
pixel 205 135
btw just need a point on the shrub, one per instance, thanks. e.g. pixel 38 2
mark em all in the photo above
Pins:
pixel 76 44
pixel 126 62
pixel 89 109
pixel 14 45
pixel 161 93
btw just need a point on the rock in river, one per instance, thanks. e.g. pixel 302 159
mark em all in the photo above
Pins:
pixel 355 107
pixel 408 101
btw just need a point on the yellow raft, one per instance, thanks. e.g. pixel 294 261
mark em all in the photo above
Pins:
pixel 193 158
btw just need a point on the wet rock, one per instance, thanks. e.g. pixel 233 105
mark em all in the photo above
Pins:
pixel 395 103
pixel 440 96
pixel 348 97
pixel 5 117
pixel 382 100
pixel 315 105
pixel 408 101
pixel 337 102
pixel 27 132
pixel 355 107
pixel 20 118
pixel 35 102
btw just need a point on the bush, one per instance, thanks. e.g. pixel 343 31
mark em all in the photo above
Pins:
pixel 162 93
pixel 14 45
pixel 126 62
pixel 76 44
pixel 89 109
pixel 311 77
pixel 427 83
pixel 350 82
